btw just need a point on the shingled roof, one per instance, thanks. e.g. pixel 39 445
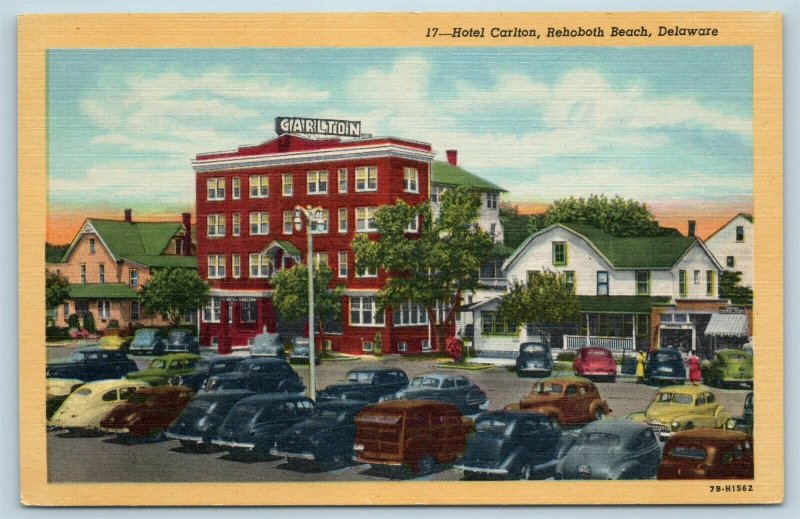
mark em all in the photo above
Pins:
pixel 446 173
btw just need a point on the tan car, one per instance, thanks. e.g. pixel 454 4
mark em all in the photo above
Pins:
pixel 567 400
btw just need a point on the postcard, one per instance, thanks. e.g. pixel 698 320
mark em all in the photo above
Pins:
pixel 408 258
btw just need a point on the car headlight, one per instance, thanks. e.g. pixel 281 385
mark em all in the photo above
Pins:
pixel 730 424
pixel 676 425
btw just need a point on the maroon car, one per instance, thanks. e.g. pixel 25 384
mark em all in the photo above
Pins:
pixel 148 413
pixel 595 363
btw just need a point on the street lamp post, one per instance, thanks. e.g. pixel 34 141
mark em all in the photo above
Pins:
pixel 313 215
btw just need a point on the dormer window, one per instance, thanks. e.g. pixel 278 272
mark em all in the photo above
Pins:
pixel 92 249
pixel 491 200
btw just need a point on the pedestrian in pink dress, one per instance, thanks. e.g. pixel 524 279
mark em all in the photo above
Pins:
pixel 693 362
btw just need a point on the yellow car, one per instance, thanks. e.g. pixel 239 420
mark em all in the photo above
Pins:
pixel 58 389
pixel 680 408
pixel 115 342
pixel 87 405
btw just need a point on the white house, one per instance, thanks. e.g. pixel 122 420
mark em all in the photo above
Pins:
pixel 732 245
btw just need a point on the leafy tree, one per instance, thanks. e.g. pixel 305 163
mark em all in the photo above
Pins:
pixel 545 299
pixel 291 295
pixel 435 265
pixel 56 286
pixel 73 321
pixel 173 291
pixel 517 227
pixel 730 288
pixel 54 253
pixel 88 322
pixel 617 216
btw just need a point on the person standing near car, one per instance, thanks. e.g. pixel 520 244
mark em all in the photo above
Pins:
pixel 693 362
pixel 640 362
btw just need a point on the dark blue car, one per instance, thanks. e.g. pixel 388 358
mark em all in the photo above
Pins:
pixel 665 366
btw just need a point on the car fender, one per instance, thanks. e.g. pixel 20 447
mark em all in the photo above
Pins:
pixel 721 416
pixel 637 417
pixel 547 410
pixel 599 404
pixel 517 455
pixel 630 467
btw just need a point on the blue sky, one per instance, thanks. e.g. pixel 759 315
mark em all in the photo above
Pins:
pixel 670 124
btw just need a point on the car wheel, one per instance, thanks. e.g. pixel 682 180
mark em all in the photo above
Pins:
pixel 337 458
pixel 156 434
pixel 689 426
pixel 523 471
pixel 612 378
pixel 425 465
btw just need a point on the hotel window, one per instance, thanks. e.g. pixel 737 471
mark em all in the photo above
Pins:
pixel 317 182
pixel 739 233
pixel 696 277
pixel 136 310
pixel 104 310
pixel 211 311
pixel 410 314
pixel 413 225
pixel 683 283
pixel 642 282
pixel 342 264
pixel 365 219
pixel 321 226
pixel 364 311
pixel 366 272
pixel 216 225
pixel 259 223
pixel 436 193
pixel 260 266
pixel 101 275
pixel 236 224
pixel 288 222
pixel 367 178
pixel 83 273
pixel 248 311
pixel 215 189
pixel 259 186
pixel 569 281
pixel 491 324
pixel 491 200
pixel 402 346
pixel 236 188
pixel 216 266
pixel 320 258
pixel 287 186
pixel 425 344
pixel 92 249
pixel 236 265
pixel 559 253
pixel 343 180
pixel 730 262
pixel 602 283
pixel 342 219
pixel 410 180
pixel 711 282
pixel 82 308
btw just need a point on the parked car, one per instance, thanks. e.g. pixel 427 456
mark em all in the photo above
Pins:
pixel 707 454
pixel 87 405
pixel 595 362
pixel 197 424
pixel 453 389
pixel 612 449
pixel 262 375
pixel 665 366
pixel 252 425
pixel 324 437
pixel 267 345
pixel 205 368
pixel 163 368
pixel 743 423
pixel 534 359
pixel 182 340
pixel 114 342
pixel 566 400
pixel 728 367
pixel 510 444
pixel 679 408
pixel 148 412
pixel 58 389
pixel 368 385
pixel 301 352
pixel 415 433
pixel 92 363
pixel 147 341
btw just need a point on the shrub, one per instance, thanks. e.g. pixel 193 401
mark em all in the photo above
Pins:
pixel 88 323
pixel 566 356
pixel 377 344
pixel 113 324
pixel 454 347
pixel 73 321
pixel 56 333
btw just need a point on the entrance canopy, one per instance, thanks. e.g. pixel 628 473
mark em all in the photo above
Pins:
pixel 727 325
pixel 283 245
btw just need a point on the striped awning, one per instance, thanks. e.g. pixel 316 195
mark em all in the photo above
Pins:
pixel 727 325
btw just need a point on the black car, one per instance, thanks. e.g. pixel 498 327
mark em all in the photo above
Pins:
pixel 180 340
pixel 444 387
pixel 745 422
pixel 301 352
pixel 197 425
pixel 368 385
pixel 534 360
pixel 325 437
pixel 262 375
pixel 92 363
pixel 665 366
pixel 206 368
pixel 510 444
pixel 147 341
pixel 252 425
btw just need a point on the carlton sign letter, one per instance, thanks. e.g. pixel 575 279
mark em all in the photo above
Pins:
pixel 317 126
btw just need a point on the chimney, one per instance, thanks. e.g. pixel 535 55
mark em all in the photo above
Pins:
pixel 187 237
pixel 692 225
pixel 452 157
pixel 128 215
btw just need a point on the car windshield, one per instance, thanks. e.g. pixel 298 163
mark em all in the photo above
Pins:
pixel 178 335
pixel 600 439
pixel 533 347
pixel 597 353
pixel 425 382
pixel 359 377
pixel 548 387
pixel 144 335
pixel 300 349
pixel 158 364
pixel 663 356
pixel 492 426
pixel 684 451
pixel 673 398
pixel 83 391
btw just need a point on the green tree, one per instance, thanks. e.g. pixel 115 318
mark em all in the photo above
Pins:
pixel 516 226
pixel 54 253
pixel 56 289
pixel 173 291
pixel 89 323
pixel 730 288
pixel 431 267
pixel 617 216
pixel 545 299
pixel 291 295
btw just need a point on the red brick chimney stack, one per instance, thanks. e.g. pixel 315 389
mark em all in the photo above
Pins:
pixel 129 215
pixel 452 157
pixel 692 226
pixel 187 237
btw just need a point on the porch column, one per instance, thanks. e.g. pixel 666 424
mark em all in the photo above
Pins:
pixel 386 347
pixel 236 315
pixel 224 339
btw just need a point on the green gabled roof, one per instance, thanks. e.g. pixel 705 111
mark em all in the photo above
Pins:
pixel 101 291
pixel 129 239
pixel 189 262
pixel 620 304
pixel 637 252
pixel 287 246
pixel 446 173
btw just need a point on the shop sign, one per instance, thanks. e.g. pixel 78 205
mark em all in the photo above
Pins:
pixel 676 326
pixel 241 299
pixel 732 310
pixel 317 126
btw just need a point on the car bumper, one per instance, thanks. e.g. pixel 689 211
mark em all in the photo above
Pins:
pixel 115 430
pixel 185 438
pixel 661 430
pixel 544 372
pixel 597 373
pixel 293 455
pixel 234 445
pixel 388 463
pixel 481 470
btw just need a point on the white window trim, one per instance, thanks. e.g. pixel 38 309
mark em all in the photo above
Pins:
pixel 361 308
pixel 236 185
pixel 366 188
pixel 218 226
pixel 219 265
pixel 285 184
pixel 341 180
pixel 413 227
pixel 402 346
pixel 317 174
pixel 369 216
pixel 215 190
pixel 236 224
pixel 259 223
pixel 342 273
pixel 287 229
pixel 366 274
pixel 420 311
pixel 236 266
pixel 263 260
pixel 407 181
pixel 326 219
pixel 133 273
pixel 214 303
pixel 262 181
pixel 340 220
pixel 104 309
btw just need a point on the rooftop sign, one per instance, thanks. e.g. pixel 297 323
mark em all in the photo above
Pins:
pixel 317 126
